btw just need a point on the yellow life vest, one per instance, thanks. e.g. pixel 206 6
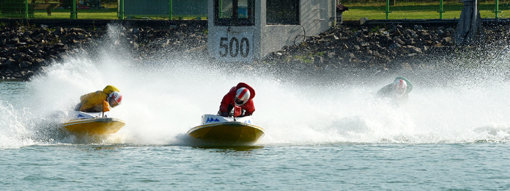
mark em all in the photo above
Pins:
pixel 94 102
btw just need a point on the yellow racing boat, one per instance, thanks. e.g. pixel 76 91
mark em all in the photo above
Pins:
pixel 93 124
pixel 226 130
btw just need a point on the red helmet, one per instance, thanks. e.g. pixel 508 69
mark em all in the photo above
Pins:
pixel 114 99
pixel 242 96
pixel 400 86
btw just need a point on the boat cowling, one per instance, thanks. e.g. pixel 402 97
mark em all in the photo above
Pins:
pixel 209 119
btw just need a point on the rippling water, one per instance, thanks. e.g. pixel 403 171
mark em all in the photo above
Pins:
pixel 320 133
pixel 482 166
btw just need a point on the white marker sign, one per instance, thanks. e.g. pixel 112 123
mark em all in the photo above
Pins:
pixel 234 46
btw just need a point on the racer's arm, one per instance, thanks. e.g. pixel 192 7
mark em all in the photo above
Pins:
pixel 106 106
pixel 249 108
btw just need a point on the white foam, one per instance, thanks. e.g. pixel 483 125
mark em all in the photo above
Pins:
pixel 163 100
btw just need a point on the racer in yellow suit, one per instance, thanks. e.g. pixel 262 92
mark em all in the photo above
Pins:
pixel 100 101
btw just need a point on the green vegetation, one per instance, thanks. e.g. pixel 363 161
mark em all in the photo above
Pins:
pixel 371 9
pixel 110 13
pixel 82 14
pixel 96 14
pixel 308 57
pixel 304 58
pixel 414 10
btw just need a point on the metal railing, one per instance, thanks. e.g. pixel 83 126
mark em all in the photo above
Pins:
pixel 163 8
pixel 420 9
pixel 197 9
pixel 441 10
pixel 104 9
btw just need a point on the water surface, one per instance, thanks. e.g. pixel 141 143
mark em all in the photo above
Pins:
pixel 320 133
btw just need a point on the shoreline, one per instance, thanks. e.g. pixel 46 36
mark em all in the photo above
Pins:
pixel 27 48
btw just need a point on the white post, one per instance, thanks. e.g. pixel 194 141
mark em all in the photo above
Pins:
pixel 469 22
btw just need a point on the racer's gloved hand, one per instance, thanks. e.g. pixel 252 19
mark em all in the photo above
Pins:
pixel 224 114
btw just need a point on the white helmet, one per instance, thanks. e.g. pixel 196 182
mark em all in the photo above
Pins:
pixel 242 96
pixel 114 99
pixel 400 86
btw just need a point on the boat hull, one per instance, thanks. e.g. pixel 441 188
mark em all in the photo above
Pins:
pixel 94 126
pixel 227 132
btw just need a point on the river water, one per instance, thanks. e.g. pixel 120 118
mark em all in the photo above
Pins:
pixel 322 134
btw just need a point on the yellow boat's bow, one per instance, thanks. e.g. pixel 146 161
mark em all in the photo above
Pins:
pixel 228 132
pixel 218 129
pixel 97 126
pixel 88 124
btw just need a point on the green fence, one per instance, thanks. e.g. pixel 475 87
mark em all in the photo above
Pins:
pixel 58 9
pixel 423 9
pixel 197 9
pixel 163 8
pixel 104 9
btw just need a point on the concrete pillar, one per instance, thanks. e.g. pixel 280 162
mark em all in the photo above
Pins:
pixel 469 24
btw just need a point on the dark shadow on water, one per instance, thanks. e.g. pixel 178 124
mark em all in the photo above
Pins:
pixel 230 148
pixel 107 147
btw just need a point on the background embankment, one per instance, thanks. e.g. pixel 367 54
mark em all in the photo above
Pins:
pixel 25 48
pixel 389 47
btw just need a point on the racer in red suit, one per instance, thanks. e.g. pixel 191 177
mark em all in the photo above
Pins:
pixel 238 102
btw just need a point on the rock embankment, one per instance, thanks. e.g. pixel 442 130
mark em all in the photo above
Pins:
pixel 26 49
pixel 384 48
